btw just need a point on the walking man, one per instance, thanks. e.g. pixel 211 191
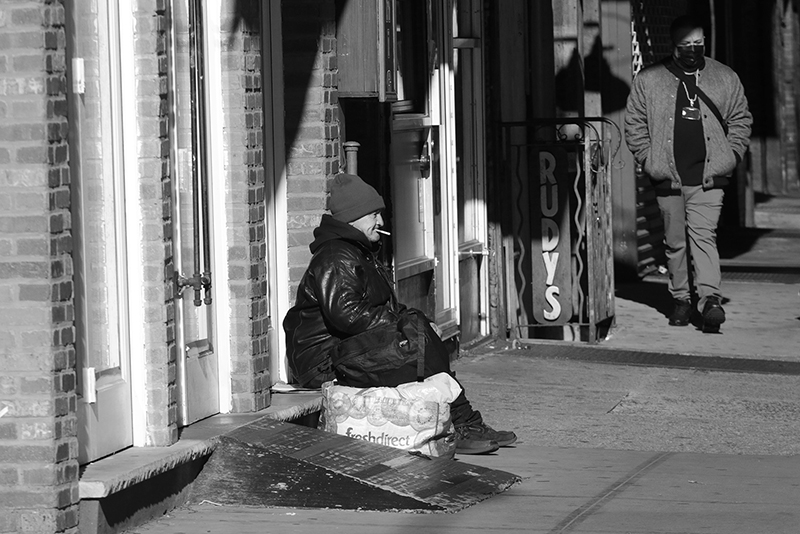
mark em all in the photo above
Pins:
pixel 687 124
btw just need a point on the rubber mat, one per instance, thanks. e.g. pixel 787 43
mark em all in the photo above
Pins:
pixel 277 464
pixel 613 355
pixel 746 273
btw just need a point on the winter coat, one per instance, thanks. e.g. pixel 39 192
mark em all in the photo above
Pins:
pixel 650 118
pixel 344 291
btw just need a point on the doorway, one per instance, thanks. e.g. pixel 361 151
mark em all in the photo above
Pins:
pixel 97 45
pixel 195 127
pixel 422 171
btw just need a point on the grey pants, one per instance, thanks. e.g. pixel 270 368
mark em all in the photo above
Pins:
pixel 690 227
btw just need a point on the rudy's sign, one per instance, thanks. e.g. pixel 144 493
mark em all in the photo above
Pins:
pixel 555 176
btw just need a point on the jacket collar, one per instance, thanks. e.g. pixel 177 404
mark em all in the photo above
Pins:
pixel 331 229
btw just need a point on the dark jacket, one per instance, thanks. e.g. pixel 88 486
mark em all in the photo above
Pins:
pixel 344 291
pixel 649 121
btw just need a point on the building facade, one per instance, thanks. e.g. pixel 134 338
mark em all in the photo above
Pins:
pixel 163 164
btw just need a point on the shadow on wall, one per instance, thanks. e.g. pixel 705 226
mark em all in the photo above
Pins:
pixel 304 32
pixel 595 76
pixel 247 13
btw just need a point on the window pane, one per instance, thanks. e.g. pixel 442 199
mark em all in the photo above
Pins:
pixel 100 178
pixel 466 148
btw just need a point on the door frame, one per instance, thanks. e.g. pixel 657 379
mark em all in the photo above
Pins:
pixel 220 290
pixel 133 209
pixel 477 247
pixel 276 227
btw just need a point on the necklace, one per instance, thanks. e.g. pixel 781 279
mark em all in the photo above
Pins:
pixel 691 100
pixel 690 112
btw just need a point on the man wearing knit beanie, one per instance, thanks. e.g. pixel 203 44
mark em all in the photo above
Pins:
pixel 346 291
pixel 352 198
pixel 357 203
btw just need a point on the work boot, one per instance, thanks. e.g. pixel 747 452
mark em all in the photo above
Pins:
pixel 483 432
pixel 713 315
pixel 681 313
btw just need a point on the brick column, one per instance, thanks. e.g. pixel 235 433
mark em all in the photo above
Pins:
pixel 247 248
pixel 38 443
pixel 155 190
pixel 312 127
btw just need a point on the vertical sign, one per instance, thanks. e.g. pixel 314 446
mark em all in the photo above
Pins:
pixel 550 233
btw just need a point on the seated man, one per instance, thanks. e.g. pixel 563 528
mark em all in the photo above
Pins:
pixel 346 291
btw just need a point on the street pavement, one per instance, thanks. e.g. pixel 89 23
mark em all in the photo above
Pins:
pixel 640 448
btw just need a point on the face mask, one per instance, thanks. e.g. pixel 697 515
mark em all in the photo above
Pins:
pixel 691 57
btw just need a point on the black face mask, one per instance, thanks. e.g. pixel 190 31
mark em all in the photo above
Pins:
pixel 690 58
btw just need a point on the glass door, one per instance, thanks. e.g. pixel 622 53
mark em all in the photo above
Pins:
pixel 195 306
pixel 99 225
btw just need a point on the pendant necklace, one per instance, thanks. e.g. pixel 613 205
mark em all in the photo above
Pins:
pixel 690 112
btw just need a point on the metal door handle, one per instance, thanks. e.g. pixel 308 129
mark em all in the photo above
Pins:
pixel 425 162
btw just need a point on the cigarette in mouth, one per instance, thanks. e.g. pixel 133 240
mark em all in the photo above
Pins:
pixel 384 232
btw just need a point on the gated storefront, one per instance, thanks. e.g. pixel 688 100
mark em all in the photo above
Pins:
pixel 560 270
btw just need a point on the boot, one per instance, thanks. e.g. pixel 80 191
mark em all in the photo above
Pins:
pixel 470 436
pixel 713 315
pixel 681 313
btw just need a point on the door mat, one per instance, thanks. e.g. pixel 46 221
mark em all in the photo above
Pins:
pixel 277 464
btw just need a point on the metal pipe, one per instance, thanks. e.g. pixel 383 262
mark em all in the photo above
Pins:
pixel 193 81
pixel 205 280
pixel 351 156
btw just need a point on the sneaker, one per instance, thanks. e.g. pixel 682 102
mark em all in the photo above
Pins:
pixel 713 315
pixel 482 431
pixel 682 313
pixel 469 443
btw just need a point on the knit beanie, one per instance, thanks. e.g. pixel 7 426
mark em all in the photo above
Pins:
pixel 352 198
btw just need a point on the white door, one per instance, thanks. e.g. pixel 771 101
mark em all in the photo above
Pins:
pixel 194 251
pixel 422 170
pixel 97 153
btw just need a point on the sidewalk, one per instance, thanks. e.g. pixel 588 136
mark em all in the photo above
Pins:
pixel 588 491
pixel 760 284
pixel 570 484
pixel 614 448
pixel 762 321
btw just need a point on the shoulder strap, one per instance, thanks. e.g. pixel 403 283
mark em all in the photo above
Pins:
pixel 670 65
pixel 713 107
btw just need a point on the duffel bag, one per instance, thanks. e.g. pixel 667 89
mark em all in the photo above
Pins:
pixel 406 351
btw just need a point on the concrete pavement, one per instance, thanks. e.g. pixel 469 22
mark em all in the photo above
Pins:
pixel 637 448
pixel 564 490
pixel 602 449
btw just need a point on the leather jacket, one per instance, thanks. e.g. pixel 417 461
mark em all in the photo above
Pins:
pixel 344 291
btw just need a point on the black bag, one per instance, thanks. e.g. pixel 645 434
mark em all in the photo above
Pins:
pixel 407 351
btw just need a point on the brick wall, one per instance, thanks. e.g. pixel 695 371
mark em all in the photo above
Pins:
pixel 153 168
pixel 38 444
pixel 247 251
pixel 312 129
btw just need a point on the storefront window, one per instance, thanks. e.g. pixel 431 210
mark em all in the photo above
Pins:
pixel 414 51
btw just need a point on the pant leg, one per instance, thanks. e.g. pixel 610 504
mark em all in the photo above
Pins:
pixel 461 410
pixel 674 215
pixel 702 215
